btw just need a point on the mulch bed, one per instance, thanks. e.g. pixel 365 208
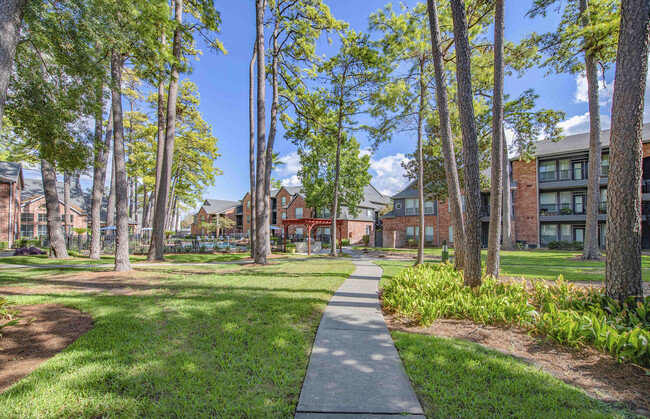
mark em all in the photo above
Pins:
pixel 44 331
pixel 597 373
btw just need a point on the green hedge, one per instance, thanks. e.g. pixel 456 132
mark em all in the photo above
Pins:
pixel 566 314
pixel 4 245
pixel 564 245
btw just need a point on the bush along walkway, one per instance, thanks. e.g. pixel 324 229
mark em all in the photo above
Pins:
pixel 354 367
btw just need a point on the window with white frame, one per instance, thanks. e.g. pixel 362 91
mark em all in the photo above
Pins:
pixel 27 217
pixel 42 218
pixel 429 207
pixel 26 230
pixel 412 233
pixel 428 234
pixel 284 200
pixel 411 206
pixel 42 230
pixel 284 215
pixel 370 212
pixel 298 212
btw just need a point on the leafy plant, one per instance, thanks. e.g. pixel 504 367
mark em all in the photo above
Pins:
pixel 565 245
pixel 80 230
pixel 561 311
pixel 28 251
pixel 7 315
pixel 4 245
pixel 366 239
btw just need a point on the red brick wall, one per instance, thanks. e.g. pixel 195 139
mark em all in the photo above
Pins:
pixel 248 210
pixel 195 229
pixel 355 230
pixel 526 213
pixel 299 202
pixel 38 207
pixel 9 190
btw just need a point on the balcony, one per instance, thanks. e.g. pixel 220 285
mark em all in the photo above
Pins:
pixel 569 212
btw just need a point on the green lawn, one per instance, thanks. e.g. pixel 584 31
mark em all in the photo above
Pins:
pixel 176 258
pixel 522 266
pixel 216 340
pixel 522 257
pixel 455 378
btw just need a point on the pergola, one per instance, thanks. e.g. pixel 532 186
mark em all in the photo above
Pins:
pixel 310 223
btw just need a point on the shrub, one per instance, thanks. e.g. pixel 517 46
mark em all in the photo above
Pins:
pixel 345 242
pixel 365 239
pixel 26 243
pixel 4 245
pixel 565 245
pixel 28 251
pixel 411 243
pixel 291 248
pixel 564 313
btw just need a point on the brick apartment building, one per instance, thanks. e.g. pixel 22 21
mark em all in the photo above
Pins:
pixel 210 210
pixel 11 186
pixel 289 203
pixel 549 195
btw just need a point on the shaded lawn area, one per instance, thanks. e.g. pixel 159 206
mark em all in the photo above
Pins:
pixel 521 257
pixel 107 259
pixel 455 378
pixel 217 340
pixel 571 272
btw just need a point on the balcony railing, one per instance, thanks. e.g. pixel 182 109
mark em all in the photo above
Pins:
pixel 569 209
pixel 645 186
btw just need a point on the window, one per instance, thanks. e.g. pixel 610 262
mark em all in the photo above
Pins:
pixel 565 232
pixel 203 218
pixel 579 170
pixel 604 165
pixel 42 218
pixel 367 230
pixel 27 217
pixel 579 204
pixel 548 201
pixel 579 234
pixel 429 207
pixel 26 230
pixel 298 233
pixel 549 233
pixel 602 205
pixel 42 230
pixel 547 170
pixel 451 234
pixel 284 200
pixel 284 215
pixel 412 233
pixel 248 204
pixel 370 213
pixel 63 218
pixel 565 199
pixel 411 206
pixel 428 234
pixel 248 218
pixel 298 212
pixel 564 169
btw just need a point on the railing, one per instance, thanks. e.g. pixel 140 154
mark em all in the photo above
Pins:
pixel 563 174
pixel 569 209
pixel 547 176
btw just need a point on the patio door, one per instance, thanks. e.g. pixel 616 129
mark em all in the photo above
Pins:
pixel 579 234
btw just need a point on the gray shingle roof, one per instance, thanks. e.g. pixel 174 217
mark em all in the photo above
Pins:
pixel 215 206
pixel 10 170
pixel 578 142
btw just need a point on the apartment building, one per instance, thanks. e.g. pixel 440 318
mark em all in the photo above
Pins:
pixel 11 186
pixel 549 195
pixel 289 203
pixel 213 208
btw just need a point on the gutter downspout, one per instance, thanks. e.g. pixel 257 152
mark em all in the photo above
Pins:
pixel 438 221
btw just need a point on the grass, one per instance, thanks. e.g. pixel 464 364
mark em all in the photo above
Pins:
pixel 216 340
pixel 522 267
pixel 523 257
pixel 455 378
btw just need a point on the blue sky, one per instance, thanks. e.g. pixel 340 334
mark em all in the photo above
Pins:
pixel 222 81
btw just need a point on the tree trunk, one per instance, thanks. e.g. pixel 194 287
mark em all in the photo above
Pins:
pixel 420 157
pixel 11 18
pixel 66 204
pixel 506 209
pixel 262 205
pixel 99 181
pixel 122 262
pixel 135 199
pixel 110 205
pixel 470 146
pixel 337 169
pixel 591 249
pixel 272 132
pixel 129 183
pixel 251 148
pixel 451 172
pixel 54 228
pixel 145 206
pixel 496 182
pixel 157 247
pixel 623 272
pixel 160 151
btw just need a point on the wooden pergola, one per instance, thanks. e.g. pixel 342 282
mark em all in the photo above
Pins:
pixel 310 223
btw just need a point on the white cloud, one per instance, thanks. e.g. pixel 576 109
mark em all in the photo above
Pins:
pixel 291 164
pixel 388 173
pixel 291 181
pixel 580 123
pixel 605 90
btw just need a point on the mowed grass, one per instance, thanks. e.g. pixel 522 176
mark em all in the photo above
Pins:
pixel 106 259
pixel 523 266
pixel 198 341
pixel 459 379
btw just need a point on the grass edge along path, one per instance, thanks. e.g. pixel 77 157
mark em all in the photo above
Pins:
pixel 224 341
pixel 457 378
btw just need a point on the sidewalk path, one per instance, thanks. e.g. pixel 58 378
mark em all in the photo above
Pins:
pixel 354 370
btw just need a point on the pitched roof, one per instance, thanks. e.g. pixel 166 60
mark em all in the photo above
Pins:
pixel 578 142
pixel 80 199
pixel 11 171
pixel 215 206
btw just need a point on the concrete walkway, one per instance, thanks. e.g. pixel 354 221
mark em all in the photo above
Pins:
pixel 354 370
